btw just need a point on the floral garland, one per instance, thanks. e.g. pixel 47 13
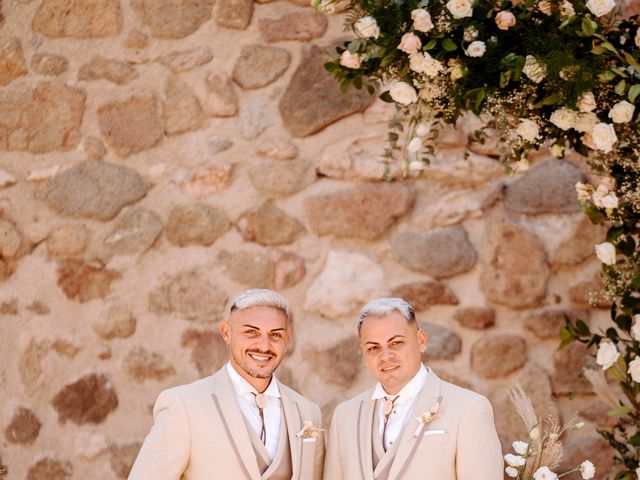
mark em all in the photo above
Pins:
pixel 562 74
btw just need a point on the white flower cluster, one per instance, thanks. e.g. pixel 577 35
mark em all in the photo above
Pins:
pixel 608 353
pixel 516 463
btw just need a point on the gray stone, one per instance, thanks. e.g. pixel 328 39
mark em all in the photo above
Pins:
pixel 12 62
pixel 567 377
pixel 579 244
pixel 68 241
pixel 85 281
pixel 185 60
pixel 142 365
pixel 81 19
pixel 248 269
pixel 23 428
pixel 273 179
pixel 132 125
pixel 366 211
pixel 260 65
pixel 89 400
pixel 440 253
pixel 255 118
pixel 54 114
pixel 313 98
pixel 546 323
pixel 443 343
pixel 209 351
pixel 171 19
pixel 497 356
pixel 117 322
pixel 514 269
pixel 548 187
pixel 476 318
pixel 121 458
pixel 50 468
pixel 219 145
pixel 338 365
pixel 196 224
pixel 101 68
pixel 135 232
pixel 221 99
pixel 295 26
pixel 181 109
pixel 422 295
pixel 269 225
pixel 234 13
pixel 190 295
pixel 94 189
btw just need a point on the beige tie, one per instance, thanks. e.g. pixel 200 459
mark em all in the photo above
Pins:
pixel 388 410
pixel 261 402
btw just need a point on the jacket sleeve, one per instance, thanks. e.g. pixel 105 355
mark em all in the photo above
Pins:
pixel 333 461
pixel 478 452
pixel 165 452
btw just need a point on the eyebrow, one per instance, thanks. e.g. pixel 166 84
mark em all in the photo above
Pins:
pixel 392 338
pixel 258 328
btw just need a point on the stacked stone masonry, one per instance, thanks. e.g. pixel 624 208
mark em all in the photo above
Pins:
pixel 156 157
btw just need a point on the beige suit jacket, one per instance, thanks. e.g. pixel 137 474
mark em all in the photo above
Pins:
pixel 460 443
pixel 199 433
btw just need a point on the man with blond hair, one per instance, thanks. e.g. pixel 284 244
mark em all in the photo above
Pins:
pixel 241 422
pixel 412 425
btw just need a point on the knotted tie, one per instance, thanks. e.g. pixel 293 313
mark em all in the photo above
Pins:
pixel 261 402
pixel 388 410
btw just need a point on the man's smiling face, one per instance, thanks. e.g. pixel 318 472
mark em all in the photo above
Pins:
pixel 257 338
pixel 391 347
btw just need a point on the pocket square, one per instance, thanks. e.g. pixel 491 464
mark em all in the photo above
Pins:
pixel 434 432
pixel 309 440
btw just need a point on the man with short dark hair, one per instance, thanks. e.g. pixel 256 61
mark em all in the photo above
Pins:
pixel 241 422
pixel 412 425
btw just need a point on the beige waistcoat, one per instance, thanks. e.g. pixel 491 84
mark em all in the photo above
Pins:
pixel 280 468
pixel 382 460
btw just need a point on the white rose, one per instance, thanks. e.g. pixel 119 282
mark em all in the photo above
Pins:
pixel 622 112
pixel 587 470
pixel 604 137
pixel 350 60
pixel 636 39
pixel 528 130
pixel 533 69
pixel 425 63
pixel 600 7
pixel 607 354
pixel 421 20
pixel 415 145
pixel 584 122
pixel 512 472
pixel 543 473
pixel 514 460
pixel 563 118
pixel 505 20
pixel 403 93
pixel 520 447
pixel 583 191
pixel 367 27
pixel 635 329
pixel 567 10
pixel 603 198
pixel 476 48
pixel 586 102
pixel 410 43
pixel 634 371
pixel 460 8
pixel 606 253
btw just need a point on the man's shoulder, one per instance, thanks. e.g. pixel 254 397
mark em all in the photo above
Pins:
pixel 202 386
pixel 296 397
pixel 352 405
pixel 461 395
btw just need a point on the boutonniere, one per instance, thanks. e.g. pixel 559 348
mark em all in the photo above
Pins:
pixel 308 431
pixel 428 415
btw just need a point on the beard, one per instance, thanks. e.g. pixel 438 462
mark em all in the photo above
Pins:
pixel 255 372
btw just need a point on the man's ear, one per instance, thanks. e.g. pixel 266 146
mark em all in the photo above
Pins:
pixel 423 340
pixel 225 331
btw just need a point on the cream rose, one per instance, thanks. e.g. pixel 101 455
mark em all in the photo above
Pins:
pixel 585 122
pixel 476 48
pixel 583 191
pixel 622 112
pixel 403 93
pixel 460 8
pixel 350 60
pixel 604 137
pixel 533 69
pixel 367 27
pixel 634 370
pixel 635 328
pixel 586 102
pixel 606 253
pixel 505 20
pixel 425 63
pixel 600 7
pixel 603 198
pixel 636 39
pixel 421 20
pixel 410 43
pixel 528 130
pixel 563 118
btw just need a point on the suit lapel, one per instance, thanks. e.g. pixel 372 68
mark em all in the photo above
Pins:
pixel 409 442
pixel 365 421
pixel 224 399
pixel 294 424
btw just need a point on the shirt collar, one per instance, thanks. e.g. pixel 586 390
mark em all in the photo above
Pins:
pixel 242 387
pixel 410 390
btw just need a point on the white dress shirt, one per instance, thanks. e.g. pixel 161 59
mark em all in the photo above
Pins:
pixel 402 407
pixel 245 394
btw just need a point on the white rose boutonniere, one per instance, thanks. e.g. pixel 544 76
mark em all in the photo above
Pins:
pixel 308 431
pixel 600 7
pixel 460 8
pixel 428 415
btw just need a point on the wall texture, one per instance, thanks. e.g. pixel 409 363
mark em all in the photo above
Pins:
pixel 158 156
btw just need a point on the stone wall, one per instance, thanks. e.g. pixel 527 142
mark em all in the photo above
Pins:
pixel 158 156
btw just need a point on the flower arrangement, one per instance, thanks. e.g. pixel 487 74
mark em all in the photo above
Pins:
pixel 559 72
pixel 535 459
pixel 428 415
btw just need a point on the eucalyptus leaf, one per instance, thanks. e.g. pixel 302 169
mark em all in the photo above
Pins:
pixel 449 45
pixel 620 87
pixel 633 92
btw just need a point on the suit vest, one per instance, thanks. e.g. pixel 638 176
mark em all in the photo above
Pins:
pixel 382 460
pixel 280 468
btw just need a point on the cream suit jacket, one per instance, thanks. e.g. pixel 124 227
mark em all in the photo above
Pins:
pixel 199 433
pixel 460 443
